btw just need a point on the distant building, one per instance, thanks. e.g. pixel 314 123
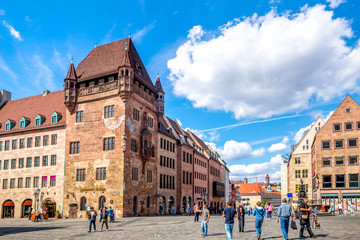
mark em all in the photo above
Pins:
pixel 251 193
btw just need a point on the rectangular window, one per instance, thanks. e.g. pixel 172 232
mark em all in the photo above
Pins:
pixel 28 182
pixel 36 182
pixel 28 162
pixel 136 114
pixel 12 183
pixel 52 181
pixel 79 116
pixel 74 147
pixel 0 164
pixel 13 163
pixel 337 127
pixel 109 111
pixel 44 182
pixel 133 145
pixel 339 161
pixel 348 126
pixel 339 143
pixel 326 161
pixel 46 140
pixel 54 139
pixel 183 156
pixel 5 184
pixel 29 142
pixel 37 141
pixel 134 175
pixel 45 161
pixel 80 174
pixel 327 181
pixel 37 162
pixel 109 143
pixel 297 174
pixel 14 144
pixel 149 176
pixel 353 160
pixel 354 180
pixel 357 125
pixel 22 143
pixel 352 142
pixel 340 180
pixel 101 173
pixel 21 162
pixel 326 144
pixel 7 145
pixel 53 160
pixel 1 146
pixel 305 173
pixel 20 182
pixel 150 122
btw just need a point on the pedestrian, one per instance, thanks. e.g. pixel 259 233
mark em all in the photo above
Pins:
pixel 259 213
pixel 284 214
pixel 295 209
pixel 112 215
pixel 345 208
pixel 332 209
pixel 197 212
pixel 248 209
pixel 229 214
pixel 353 209
pixel 220 210
pixel 305 213
pixel 205 220
pixel 269 210
pixel 104 219
pixel 188 210
pixel 340 209
pixel 241 217
pixel 92 218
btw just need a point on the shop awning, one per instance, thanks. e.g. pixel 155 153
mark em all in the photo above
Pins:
pixel 351 195
pixel 325 195
pixel 9 204
pixel 27 202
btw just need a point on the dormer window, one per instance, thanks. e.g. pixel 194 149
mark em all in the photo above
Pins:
pixel 55 117
pixel 9 124
pixel 40 119
pixel 24 122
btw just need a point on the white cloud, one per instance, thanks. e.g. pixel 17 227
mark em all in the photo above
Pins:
pixel 233 150
pixel 2 12
pixel 214 136
pixel 335 3
pixel 299 134
pixel 268 65
pixel 276 147
pixel 179 122
pixel 12 30
pixel 257 169
pixel 138 35
pixel 328 115
pixel 274 1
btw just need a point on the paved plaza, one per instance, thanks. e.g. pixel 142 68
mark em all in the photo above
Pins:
pixel 167 227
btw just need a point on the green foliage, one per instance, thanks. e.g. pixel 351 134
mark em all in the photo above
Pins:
pixel 57 213
pixel 264 203
pixel 237 187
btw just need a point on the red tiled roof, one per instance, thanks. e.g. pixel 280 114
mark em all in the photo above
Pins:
pixel 106 59
pixel 30 107
pixel 250 188
pixel 237 182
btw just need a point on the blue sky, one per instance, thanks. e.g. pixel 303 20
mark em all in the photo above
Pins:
pixel 245 75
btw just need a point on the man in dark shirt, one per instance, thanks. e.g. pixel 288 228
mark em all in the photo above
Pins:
pixel 229 214
pixel 241 217
pixel 305 213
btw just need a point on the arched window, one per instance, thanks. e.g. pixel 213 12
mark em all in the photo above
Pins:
pixel 83 204
pixel 127 72
pixel 71 85
pixel 148 201
pixel 102 201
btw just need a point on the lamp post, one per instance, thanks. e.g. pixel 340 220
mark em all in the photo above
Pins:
pixel 36 200
pixel 203 196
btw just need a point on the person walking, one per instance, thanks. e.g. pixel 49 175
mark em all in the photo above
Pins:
pixel 332 209
pixel 353 209
pixel 92 218
pixel 269 210
pixel 111 215
pixel 241 217
pixel 248 209
pixel 104 218
pixel 295 209
pixel 305 212
pixel 284 214
pixel 197 212
pixel 259 213
pixel 188 210
pixel 229 214
pixel 205 220
pixel 340 209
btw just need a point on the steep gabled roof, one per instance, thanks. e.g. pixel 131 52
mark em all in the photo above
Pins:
pixel 158 86
pixel 106 59
pixel 71 74
pixel 250 188
pixel 32 106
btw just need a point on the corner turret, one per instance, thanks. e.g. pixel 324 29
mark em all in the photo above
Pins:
pixel 160 101
pixel 70 87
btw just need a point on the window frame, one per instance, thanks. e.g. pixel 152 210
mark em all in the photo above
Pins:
pixel 357 160
pixel 329 182
pixel 352 126
pixel 343 160
pixel 322 162
pixel 322 144
pixel 348 142
pixel 334 127
pixel 336 181
pixel 339 140
pixel 353 181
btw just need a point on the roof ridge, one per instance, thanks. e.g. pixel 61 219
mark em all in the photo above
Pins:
pixel 34 96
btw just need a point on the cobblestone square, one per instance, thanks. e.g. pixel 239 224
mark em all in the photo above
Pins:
pixel 168 227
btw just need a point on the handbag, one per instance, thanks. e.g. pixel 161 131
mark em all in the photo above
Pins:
pixel 304 216
pixel 293 225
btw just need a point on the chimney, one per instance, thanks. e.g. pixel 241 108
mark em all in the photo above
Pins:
pixel 45 92
pixel 4 97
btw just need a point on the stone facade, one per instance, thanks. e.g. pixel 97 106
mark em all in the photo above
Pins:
pixel 335 157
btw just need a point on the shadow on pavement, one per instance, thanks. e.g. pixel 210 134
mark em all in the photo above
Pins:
pixel 15 230
pixel 217 234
